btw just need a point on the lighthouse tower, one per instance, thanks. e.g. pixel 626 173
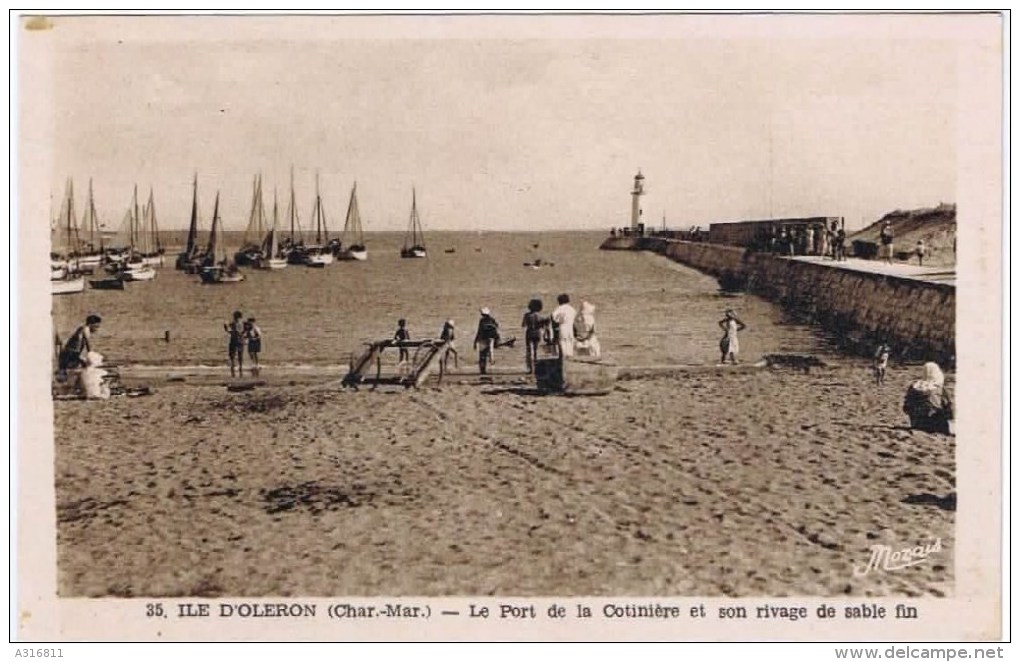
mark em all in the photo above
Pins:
pixel 635 207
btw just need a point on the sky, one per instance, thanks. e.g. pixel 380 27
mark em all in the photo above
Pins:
pixel 498 124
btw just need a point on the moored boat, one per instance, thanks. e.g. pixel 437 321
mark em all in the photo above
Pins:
pixel 353 234
pixel 140 273
pixel 71 285
pixel 271 256
pixel 319 255
pixel 107 284
pixel 414 239
pixel 217 269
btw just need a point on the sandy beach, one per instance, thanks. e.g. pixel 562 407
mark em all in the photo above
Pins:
pixel 739 482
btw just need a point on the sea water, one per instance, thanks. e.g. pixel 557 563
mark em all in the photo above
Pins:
pixel 649 310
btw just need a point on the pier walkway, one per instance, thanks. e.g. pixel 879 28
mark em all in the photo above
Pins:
pixel 935 274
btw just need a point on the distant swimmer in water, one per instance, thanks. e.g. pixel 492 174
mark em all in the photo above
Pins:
pixel 235 342
pixel 729 345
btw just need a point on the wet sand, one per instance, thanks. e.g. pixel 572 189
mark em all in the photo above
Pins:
pixel 744 483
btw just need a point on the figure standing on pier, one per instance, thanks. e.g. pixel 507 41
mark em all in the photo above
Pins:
pixel 886 237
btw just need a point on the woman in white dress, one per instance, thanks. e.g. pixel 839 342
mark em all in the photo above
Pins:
pixel 729 346
pixel 586 343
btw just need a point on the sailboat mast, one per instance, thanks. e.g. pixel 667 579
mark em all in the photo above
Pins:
pixel 72 226
pixel 193 227
pixel 135 220
pixel 274 241
pixel 153 225
pixel 293 209
pixel 214 235
pixel 318 212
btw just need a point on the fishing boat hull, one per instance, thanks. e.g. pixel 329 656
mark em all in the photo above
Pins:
pixel 93 260
pixel 354 254
pixel 416 252
pixel 219 276
pixel 138 274
pixel 153 261
pixel 107 284
pixel 319 261
pixel 68 286
pixel 272 263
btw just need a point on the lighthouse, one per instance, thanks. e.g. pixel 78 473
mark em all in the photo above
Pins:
pixel 635 207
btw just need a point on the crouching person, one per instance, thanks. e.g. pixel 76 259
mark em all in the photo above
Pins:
pixel 928 403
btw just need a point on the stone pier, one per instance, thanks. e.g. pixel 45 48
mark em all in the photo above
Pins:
pixel 859 302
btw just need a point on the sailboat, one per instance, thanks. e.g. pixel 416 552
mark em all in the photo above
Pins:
pixel 152 249
pixel 353 236
pixel 91 255
pixel 251 252
pixel 414 240
pixel 271 257
pixel 132 265
pixel 190 260
pixel 320 254
pixel 216 269
pixel 64 276
pixel 293 246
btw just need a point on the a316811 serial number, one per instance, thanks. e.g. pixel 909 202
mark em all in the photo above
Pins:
pixel 39 652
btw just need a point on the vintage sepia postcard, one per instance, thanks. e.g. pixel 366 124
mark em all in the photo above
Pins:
pixel 506 327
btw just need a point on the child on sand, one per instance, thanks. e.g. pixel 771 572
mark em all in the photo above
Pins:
pixel 729 346
pixel 448 335
pixel 254 335
pixel 881 362
pixel 402 335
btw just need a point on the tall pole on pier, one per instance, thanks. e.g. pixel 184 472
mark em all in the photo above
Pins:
pixel 635 196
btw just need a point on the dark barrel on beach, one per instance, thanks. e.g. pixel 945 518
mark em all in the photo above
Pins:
pixel 575 375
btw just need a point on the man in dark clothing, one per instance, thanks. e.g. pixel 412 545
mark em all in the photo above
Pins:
pixel 78 345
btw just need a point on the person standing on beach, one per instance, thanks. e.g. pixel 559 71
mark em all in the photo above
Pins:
pixel 254 335
pixel 920 252
pixel 729 345
pixel 486 338
pixel 841 245
pixel 563 325
pixel 586 342
pixel 235 342
pixel 448 335
pixel 532 323
pixel 881 362
pixel 402 335
pixel 886 238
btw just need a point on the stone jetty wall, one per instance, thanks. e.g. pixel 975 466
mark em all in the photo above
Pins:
pixel 858 308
